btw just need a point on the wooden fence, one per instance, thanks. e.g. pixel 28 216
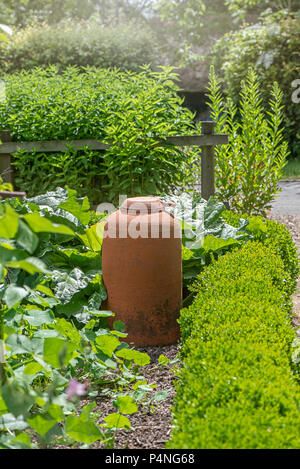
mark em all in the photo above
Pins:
pixel 208 140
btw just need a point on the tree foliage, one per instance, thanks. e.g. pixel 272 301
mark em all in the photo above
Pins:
pixel 23 12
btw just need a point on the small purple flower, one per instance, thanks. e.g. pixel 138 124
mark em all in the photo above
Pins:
pixel 76 389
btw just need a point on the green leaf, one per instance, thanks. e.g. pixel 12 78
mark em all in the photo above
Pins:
pixel 82 429
pixel 40 224
pixel 14 295
pixel 3 408
pixel 107 344
pixel 99 314
pixel 32 368
pixel 163 360
pixel 160 396
pixel 56 412
pixel 257 226
pixel 68 330
pixel 41 424
pixel 126 405
pixel 93 237
pixel 9 223
pixel 38 317
pixel 12 423
pixel 19 343
pixel 17 400
pixel 24 440
pixel 139 358
pixel 58 352
pixel 26 238
pixel 119 326
pixel 81 212
pixel 46 290
pixel 11 255
pixel 115 420
pixel 211 243
pixel 67 285
pixel 31 265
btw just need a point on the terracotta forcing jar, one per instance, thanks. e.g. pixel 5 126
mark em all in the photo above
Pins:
pixel 142 270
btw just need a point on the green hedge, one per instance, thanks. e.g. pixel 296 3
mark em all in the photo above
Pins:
pixel 129 109
pixel 81 44
pixel 237 387
pixel 274 235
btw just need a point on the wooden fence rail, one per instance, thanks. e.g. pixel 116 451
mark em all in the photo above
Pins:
pixel 208 140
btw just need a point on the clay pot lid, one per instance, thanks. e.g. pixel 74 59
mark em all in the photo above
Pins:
pixel 142 205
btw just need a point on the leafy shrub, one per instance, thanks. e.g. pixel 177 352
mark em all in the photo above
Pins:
pixel 272 47
pixel 249 168
pixel 205 233
pixel 128 110
pixel 5 186
pixel 237 389
pixel 82 44
pixel 55 345
pixel 274 235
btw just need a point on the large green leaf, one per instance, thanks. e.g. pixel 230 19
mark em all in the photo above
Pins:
pixel 31 265
pixel 9 422
pixel 68 330
pixel 17 400
pixel 39 317
pixel 3 408
pixel 93 236
pixel 50 202
pixel 32 368
pixel 83 429
pixel 19 344
pixel 11 255
pixel 203 230
pixel 26 238
pixel 211 243
pixel 58 352
pixel 107 344
pixel 138 357
pixel 71 205
pixel 9 222
pixel 13 295
pixel 126 405
pixel 115 420
pixel 40 224
pixel 41 424
pixel 67 285
pixel 72 257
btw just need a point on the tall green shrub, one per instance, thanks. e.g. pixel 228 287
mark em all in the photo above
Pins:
pixel 272 48
pixel 250 167
pixel 127 109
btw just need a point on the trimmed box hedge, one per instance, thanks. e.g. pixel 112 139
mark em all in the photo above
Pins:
pixel 275 235
pixel 237 387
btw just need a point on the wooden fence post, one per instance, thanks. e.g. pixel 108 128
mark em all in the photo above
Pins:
pixel 208 163
pixel 6 172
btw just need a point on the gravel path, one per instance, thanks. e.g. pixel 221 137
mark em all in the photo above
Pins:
pixel 288 200
pixel 293 225
pixel 286 210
